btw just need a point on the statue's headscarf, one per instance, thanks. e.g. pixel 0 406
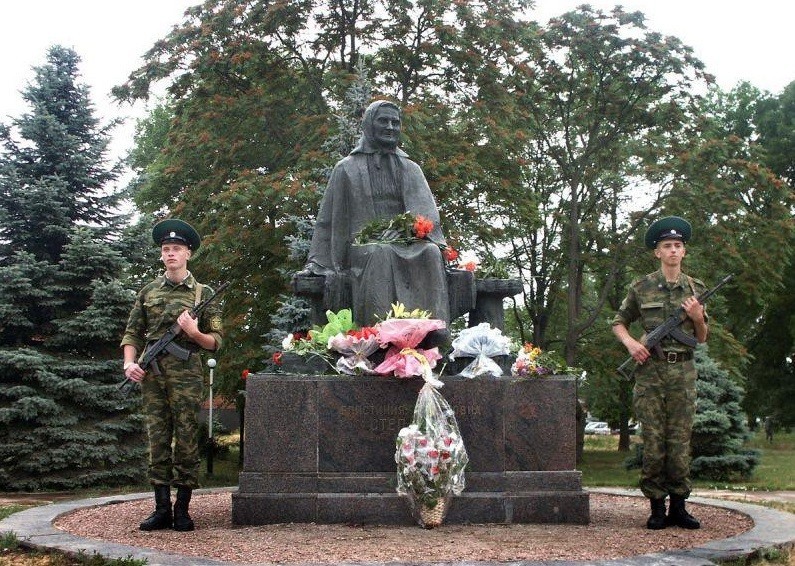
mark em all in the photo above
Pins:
pixel 383 164
pixel 367 142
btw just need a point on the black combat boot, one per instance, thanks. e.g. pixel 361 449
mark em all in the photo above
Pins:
pixel 182 521
pixel 677 515
pixel 657 518
pixel 161 517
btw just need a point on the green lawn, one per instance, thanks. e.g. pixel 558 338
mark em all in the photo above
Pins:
pixel 602 465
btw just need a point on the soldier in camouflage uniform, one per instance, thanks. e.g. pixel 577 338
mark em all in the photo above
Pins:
pixel 172 399
pixel 665 381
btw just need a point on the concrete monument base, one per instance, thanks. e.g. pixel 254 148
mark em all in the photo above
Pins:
pixel 320 448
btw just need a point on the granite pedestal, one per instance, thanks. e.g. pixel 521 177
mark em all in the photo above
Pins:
pixel 320 448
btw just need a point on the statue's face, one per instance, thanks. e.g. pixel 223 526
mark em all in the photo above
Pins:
pixel 386 127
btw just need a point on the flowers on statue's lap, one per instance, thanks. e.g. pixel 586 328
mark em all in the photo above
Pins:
pixel 422 227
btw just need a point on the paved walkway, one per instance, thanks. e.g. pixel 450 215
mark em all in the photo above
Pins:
pixel 771 529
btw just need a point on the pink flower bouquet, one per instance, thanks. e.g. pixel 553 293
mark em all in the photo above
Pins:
pixel 402 336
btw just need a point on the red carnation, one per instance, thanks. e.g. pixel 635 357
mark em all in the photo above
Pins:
pixel 244 375
pixel 422 227
pixel 450 254
pixel 277 358
pixel 363 333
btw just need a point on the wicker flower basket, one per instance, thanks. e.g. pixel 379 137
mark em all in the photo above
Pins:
pixel 431 517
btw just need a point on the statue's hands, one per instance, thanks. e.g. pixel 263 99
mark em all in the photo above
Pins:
pixel 312 270
pixel 390 234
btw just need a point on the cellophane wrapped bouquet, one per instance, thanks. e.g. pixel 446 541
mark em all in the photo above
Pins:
pixel 431 458
pixel 481 342
pixel 354 347
pixel 401 333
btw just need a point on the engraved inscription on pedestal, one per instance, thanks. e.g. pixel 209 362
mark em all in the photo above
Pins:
pixel 321 448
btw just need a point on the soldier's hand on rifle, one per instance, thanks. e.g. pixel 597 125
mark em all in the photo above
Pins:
pixel 133 372
pixel 189 325
pixel 694 309
pixel 638 351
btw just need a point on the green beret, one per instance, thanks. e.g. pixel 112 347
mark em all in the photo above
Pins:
pixel 668 228
pixel 176 230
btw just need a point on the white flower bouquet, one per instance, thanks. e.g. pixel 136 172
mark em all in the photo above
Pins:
pixel 481 342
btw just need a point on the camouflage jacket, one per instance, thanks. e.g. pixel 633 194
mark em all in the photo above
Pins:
pixel 651 300
pixel 157 307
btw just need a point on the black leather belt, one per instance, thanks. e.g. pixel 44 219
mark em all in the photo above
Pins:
pixel 673 357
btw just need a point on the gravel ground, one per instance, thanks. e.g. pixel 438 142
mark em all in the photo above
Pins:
pixel 617 530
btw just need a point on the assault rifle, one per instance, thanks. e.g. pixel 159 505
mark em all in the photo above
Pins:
pixel 670 329
pixel 166 342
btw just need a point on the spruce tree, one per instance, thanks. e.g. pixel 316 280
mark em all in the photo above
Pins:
pixel 63 422
pixel 719 430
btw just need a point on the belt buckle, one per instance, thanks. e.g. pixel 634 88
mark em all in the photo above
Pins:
pixel 672 357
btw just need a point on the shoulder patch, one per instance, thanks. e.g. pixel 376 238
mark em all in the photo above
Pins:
pixel 216 324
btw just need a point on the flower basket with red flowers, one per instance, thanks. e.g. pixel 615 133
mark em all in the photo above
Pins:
pixel 431 458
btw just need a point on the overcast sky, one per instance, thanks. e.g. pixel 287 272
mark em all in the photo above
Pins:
pixel 736 40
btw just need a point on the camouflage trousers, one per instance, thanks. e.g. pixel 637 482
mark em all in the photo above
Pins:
pixel 171 403
pixel 665 405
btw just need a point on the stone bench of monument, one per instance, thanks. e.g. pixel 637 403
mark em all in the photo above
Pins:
pixel 481 298
pixel 320 448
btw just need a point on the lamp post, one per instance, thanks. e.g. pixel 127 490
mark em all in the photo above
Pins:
pixel 210 440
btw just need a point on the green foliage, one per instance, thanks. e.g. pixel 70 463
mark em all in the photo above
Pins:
pixel 739 207
pixel 771 375
pixel 586 139
pixel 548 149
pixel 62 305
pixel 8 540
pixel 719 430
pixel 292 314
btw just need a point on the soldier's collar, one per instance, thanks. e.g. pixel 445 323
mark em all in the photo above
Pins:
pixel 188 281
pixel 681 281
